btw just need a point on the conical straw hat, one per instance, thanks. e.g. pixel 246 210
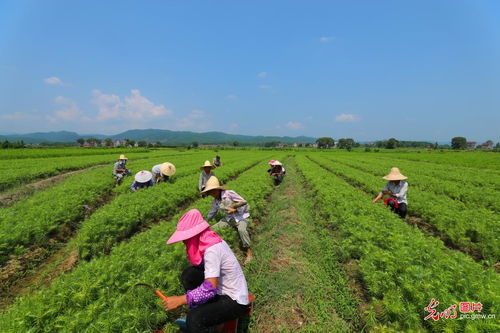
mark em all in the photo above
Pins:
pixel 168 169
pixel 395 174
pixel 206 165
pixel 143 176
pixel 122 157
pixel 213 184
pixel 277 163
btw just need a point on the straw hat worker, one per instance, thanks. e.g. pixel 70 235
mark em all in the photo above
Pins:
pixel 277 170
pixel 142 179
pixel 396 189
pixel 216 288
pixel 120 169
pixel 235 210
pixel 205 175
pixel 217 163
pixel 163 172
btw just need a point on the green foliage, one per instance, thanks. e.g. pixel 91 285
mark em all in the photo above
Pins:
pixel 325 142
pixel 459 142
pixel 401 268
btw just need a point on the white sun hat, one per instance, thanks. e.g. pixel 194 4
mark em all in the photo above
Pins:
pixel 395 174
pixel 277 163
pixel 143 176
pixel 168 169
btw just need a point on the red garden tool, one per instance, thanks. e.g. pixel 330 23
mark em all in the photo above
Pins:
pixel 157 292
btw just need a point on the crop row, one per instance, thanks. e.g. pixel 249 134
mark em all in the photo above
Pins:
pixel 22 171
pixel 127 213
pixel 468 228
pixel 423 177
pixel 401 268
pixel 33 221
pixel 476 160
pixel 67 151
pixel 98 296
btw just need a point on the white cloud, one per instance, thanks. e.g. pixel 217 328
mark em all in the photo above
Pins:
pixel 232 97
pixel 346 117
pixel 262 75
pixel 55 81
pixel 294 125
pixel 233 126
pixel 196 120
pixel 133 107
pixel 326 39
pixel 68 110
pixel 18 116
pixel 264 86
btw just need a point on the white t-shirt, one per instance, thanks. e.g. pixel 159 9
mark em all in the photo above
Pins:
pixel 221 263
pixel 156 170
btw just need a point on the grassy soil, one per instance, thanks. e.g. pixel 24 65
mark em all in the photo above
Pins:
pixel 296 278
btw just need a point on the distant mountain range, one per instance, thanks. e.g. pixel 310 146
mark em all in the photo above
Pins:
pixel 154 135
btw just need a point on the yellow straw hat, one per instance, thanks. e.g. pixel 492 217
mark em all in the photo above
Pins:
pixel 122 157
pixel 168 169
pixel 213 184
pixel 395 174
pixel 206 165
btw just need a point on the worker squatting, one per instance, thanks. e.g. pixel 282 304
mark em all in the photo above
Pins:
pixel 215 287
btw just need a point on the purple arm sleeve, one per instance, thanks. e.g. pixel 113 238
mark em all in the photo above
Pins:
pixel 200 295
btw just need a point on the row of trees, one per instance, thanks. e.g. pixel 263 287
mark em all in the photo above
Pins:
pixel 7 144
pixel 460 142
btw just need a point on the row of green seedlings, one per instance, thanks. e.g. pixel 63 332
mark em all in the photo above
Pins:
pixel 21 171
pixel 475 160
pixel 129 212
pixel 401 269
pixel 474 230
pixel 59 209
pixel 99 295
pixel 61 152
pixel 463 190
pixel 483 178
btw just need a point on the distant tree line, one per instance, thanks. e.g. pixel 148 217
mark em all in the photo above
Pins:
pixel 7 144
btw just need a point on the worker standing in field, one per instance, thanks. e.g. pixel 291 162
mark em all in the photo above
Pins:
pixel 277 171
pixel 120 169
pixel 217 162
pixel 142 179
pixel 205 175
pixel 163 172
pixel 396 188
pixel 216 288
pixel 236 211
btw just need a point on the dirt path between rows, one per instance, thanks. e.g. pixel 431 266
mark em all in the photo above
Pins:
pixel 299 287
pixel 14 195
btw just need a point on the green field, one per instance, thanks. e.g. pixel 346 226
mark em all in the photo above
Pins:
pixel 326 258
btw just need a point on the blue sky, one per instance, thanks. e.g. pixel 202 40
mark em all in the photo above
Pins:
pixel 421 70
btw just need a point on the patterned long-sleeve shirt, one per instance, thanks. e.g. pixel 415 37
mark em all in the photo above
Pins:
pixel 119 165
pixel 203 179
pixel 228 198
pixel 399 190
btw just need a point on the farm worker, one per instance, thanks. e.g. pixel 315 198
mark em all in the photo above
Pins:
pixel 216 288
pixel 216 162
pixel 120 169
pixel 162 172
pixel 277 171
pixel 205 175
pixel 235 208
pixel 142 179
pixel 396 188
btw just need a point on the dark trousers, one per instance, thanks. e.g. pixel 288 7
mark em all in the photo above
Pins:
pixel 401 210
pixel 218 310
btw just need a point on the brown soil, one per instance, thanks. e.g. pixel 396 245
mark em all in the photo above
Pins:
pixel 355 281
pixel 58 263
pixel 24 191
